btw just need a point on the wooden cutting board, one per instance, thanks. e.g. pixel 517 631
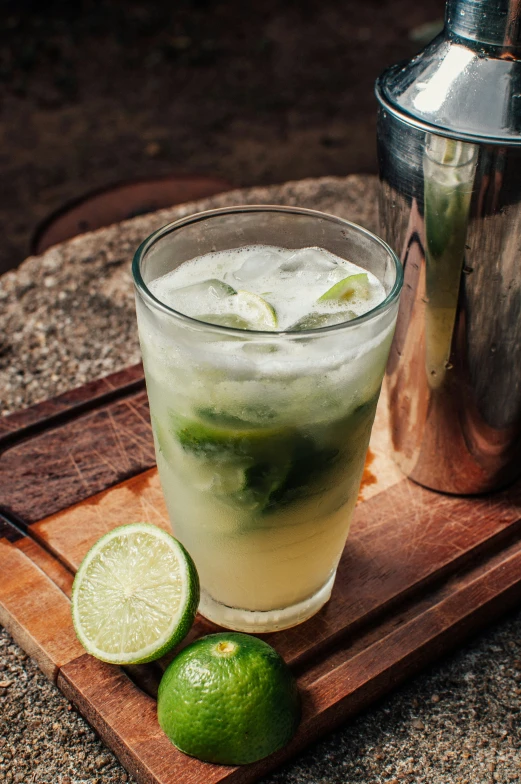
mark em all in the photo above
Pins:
pixel 420 572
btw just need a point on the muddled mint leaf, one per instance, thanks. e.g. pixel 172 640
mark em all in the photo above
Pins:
pixel 272 466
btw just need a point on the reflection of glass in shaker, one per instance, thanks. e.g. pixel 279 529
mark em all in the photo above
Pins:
pixel 448 167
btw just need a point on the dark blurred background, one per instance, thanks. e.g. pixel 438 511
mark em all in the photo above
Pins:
pixel 103 91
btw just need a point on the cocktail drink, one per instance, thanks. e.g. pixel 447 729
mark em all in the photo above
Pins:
pixel 265 333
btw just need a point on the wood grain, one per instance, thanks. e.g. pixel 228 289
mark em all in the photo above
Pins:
pixel 71 461
pixel 52 567
pixel 422 637
pixel 401 539
pixel 71 533
pixel 35 611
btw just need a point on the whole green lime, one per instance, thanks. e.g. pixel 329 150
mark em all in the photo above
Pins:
pixel 228 698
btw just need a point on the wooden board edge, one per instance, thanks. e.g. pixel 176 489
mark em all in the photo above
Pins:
pixel 47 563
pixel 114 682
pixel 23 423
pixel 43 629
pixel 472 604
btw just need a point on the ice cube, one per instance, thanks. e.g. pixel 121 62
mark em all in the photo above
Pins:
pixel 311 262
pixel 206 288
pixel 259 262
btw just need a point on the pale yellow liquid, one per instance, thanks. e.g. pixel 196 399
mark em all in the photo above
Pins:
pixel 255 559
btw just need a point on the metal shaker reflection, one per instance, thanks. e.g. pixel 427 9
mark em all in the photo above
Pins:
pixel 449 149
pixel 454 373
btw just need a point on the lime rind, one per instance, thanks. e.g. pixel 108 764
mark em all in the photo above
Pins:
pixel 347 288
pixel 256 310
pixel 135 595
pixel 245 463
pixel 225 320
pixel 319 320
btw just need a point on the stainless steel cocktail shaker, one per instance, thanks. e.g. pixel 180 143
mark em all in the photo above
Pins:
pixel 449 147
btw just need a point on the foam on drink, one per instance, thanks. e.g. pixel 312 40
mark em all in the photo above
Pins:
pixel 291 283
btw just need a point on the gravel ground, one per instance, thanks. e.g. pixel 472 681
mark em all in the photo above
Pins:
pixel 53 306
pixel 458 723
pixel 101 91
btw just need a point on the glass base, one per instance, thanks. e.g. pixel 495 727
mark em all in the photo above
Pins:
pixel 257 621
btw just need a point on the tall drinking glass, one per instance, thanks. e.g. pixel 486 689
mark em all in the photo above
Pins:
pixel 261 437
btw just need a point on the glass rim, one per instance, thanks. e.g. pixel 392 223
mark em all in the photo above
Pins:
pixel 197 217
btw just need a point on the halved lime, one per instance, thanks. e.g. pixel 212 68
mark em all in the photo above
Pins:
pixel 347 288
pixel 259 313
pixel 228 698
pixel 135 595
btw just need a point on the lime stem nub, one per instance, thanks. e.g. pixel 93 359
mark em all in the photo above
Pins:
pixel 225 648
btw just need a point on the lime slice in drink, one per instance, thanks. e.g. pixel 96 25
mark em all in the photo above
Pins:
pixel 247 311
pixel 255 310
pixel 240 438
pixel 228 698
pixel 247 462
pixel 347 288
pixel 225 320
pixel 135 595
pixel 318 320
pixel 250 311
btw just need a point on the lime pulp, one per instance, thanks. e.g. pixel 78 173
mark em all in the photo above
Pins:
pixel 135 595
